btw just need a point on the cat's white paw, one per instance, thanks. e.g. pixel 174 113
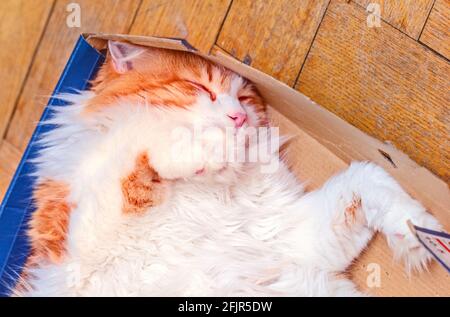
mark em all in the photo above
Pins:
pixel 403 242
pixel 192 154
pixel 214 149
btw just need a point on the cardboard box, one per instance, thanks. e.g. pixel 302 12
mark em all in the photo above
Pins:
pixel 323 144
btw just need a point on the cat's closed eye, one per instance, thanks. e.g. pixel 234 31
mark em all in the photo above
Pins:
pixel 212 94
pixel 244 99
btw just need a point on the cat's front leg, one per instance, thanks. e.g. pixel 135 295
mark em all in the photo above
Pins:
pixel 187 152
pixel 176 153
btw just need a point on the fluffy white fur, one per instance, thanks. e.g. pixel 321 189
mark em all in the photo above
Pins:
pixel 230 232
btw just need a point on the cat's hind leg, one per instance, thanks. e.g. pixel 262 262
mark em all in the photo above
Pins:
pixel 342 216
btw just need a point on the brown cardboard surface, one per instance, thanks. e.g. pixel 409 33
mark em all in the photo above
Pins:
pixel 324 144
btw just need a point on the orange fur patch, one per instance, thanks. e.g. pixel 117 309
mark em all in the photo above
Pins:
pixel 351 212
pixel 49 223
pixel 142 188
pixel 160 77
pixel 167 78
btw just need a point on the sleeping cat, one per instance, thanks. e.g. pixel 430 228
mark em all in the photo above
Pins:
pixel 150 186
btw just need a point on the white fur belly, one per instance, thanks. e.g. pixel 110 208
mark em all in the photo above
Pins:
pixel 198 244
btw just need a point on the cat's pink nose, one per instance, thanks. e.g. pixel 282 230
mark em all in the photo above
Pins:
pixel 239 118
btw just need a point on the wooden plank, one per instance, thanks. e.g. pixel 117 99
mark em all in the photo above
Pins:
pixel 113 16
pixel 21 25
pixel 316 165
pixel 436 33
pixel 388 85
pixel 198 21
pixel 10 157
pixel 409 16
pixel 273 36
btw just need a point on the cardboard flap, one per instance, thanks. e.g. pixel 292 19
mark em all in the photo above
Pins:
pixel 152 41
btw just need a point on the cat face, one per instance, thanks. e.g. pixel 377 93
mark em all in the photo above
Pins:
pixel 210 94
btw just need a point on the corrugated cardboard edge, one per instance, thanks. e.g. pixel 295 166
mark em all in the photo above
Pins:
pixel 341 138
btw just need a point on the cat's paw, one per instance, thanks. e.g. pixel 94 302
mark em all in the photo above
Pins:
pixel 214 150
pixel 402 240
pixel 193 153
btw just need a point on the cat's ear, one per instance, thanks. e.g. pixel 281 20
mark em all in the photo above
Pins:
pixel 123 54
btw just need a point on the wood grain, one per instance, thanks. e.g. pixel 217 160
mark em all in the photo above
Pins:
pixel 21 25
pixel 436 33
pixel 387 85
pixel 316 165
pixel 273 36
pixel 10 157
pixel 198 21
pixel 114 16
pixel 409 16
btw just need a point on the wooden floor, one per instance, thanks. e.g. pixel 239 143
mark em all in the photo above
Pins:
pixel 390 81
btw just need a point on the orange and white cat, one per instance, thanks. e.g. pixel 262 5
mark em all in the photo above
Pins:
pixel 133 199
